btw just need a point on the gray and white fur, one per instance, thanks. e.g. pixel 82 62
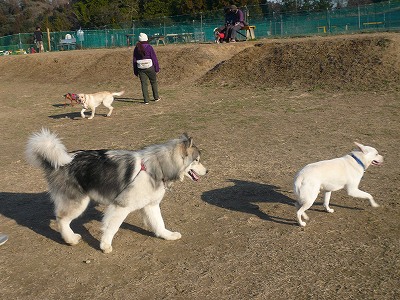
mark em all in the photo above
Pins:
pixel 123 180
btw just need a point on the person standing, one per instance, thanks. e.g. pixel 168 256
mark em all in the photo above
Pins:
pixel 146 67
pixel 38 39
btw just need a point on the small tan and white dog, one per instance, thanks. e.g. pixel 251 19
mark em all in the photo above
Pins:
pixel 333 175
pixel 91 101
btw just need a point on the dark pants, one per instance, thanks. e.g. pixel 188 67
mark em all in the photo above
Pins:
pixel 145 75
pixel 232 31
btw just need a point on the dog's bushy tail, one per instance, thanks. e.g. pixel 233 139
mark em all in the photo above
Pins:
pixel 118 93
pixel 44 149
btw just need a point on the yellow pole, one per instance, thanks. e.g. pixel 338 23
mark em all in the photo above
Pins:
pixel 48 38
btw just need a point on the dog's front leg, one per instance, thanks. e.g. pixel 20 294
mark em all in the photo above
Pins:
pixel 155 221
pixel 113 218
pixel 327 197
pixel 355 192
pixel 83 113
pixel 92 116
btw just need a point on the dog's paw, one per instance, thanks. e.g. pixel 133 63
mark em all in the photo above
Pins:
pixel 302 223
pixel 83 116
pixel 174 236
pixel 329 210
pixel 74 239
pixel 106 248
pixel 374 204
pixel 90 118
pixel 170 236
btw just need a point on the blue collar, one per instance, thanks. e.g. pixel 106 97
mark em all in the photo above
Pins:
pixel 358 160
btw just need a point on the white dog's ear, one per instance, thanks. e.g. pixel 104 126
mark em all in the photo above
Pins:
pixel 360 146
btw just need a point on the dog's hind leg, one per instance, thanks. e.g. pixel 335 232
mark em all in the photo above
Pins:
pixel 306 195
pixel 66 211
pixel 304 203
pixel 113 218
pixel 110 108
pixel 327 197
pixel 107 103
pixel 301 213
pixel 110 111
pixel 154 220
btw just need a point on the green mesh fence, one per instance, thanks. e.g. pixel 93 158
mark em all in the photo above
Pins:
pixel 383 16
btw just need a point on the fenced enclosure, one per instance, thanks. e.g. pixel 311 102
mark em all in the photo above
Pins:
pixel 384 16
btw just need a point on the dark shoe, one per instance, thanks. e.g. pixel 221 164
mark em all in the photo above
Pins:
pixel 145 102
pixel 156 100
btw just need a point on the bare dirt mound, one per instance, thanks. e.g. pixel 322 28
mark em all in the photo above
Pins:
pixel 350 62
pixel 370 61
pixel 179 64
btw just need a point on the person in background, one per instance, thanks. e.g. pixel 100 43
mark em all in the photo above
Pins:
pixel 38 39
pixel 3 238
pixel 221 32
pixel 146 67
pixel 237 22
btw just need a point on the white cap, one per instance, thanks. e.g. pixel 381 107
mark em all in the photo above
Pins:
pixel 143 37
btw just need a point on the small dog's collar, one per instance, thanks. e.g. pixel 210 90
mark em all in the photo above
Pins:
pixel 72 95
pixel 358 161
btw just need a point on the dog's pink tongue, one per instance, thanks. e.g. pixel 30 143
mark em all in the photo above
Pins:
pixel 194 176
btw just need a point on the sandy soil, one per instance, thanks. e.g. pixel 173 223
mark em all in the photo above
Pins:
pixel 259 111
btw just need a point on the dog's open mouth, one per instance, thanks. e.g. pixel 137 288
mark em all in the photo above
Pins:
pixel 193 175
pixel 376 163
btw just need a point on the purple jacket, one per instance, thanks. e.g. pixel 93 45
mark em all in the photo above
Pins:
pixel 149 54
pixel 238 17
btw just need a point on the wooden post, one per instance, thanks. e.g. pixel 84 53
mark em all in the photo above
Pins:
pixel 48 38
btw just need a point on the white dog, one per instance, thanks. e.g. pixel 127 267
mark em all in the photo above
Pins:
pixel 332 175
pixel 93 100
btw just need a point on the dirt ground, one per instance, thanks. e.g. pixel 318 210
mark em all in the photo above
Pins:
pixel 259 111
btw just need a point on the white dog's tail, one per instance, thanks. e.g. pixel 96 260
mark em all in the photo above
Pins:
pixel 45 150
pixel 298 189
pixel 119 93
pixel 306 190
pixel 298 182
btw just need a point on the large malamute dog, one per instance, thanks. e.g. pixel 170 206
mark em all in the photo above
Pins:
pixel 123 180
pixel 333 175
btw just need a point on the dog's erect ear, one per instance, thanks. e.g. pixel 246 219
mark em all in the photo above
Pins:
pixel 360 146
pixel 189 140
pixel 186 144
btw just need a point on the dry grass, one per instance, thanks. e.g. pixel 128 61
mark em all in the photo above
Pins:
pixel 240 239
